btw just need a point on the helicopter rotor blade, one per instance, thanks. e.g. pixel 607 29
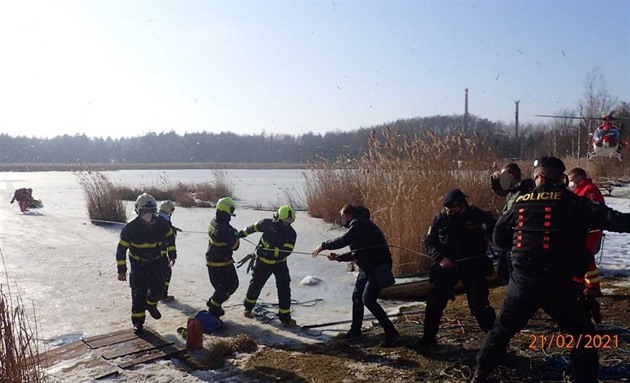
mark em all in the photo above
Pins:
pixel 567 117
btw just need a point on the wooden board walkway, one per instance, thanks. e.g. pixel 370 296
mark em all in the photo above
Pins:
pixel 106 350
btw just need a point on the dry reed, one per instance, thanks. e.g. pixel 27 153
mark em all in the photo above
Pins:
pixel 101 196
pixel 402 181
pixel 19 356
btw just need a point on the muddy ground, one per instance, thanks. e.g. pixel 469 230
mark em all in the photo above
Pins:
pixel 363 360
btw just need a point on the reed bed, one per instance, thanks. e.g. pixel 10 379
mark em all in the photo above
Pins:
pixel 402 181
pixel 19 354
pixel 204 194
pixel 101 196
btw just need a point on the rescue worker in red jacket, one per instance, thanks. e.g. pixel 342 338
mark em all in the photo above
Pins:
pixel 584 187
pixel 222 243
pixel 145 237
pixel 275 245
pixel 24 197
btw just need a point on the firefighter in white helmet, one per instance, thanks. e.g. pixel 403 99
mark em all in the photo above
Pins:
pixel 145 237
pixel 165 212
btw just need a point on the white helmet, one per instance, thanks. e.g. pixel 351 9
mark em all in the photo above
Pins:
pixel 145 202
pixel 167 206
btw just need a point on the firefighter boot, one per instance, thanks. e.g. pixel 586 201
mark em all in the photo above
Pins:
pixel 153 310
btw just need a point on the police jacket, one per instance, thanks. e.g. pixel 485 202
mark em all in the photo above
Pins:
pixel 277 241
pixel 222 242
pixel 510 195
pixel 367 243
pixel 146 243
pixel 546 229
pixel 459 236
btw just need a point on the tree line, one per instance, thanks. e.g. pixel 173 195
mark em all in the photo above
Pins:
pixel 552 137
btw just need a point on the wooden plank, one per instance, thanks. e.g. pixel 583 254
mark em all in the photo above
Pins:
pixel 65 352
pixel 107 373
pixel 153 355
pixel 148 341
pixel 111 338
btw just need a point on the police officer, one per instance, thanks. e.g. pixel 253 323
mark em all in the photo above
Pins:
pixel 145 237
pixel 275 245
pixel 508 183
pixel 457 245
pixel 370 251
pixel 165 213
pixel 221 244
pixel 546 228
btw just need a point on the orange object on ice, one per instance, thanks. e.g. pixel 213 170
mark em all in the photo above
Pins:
pixel 194 336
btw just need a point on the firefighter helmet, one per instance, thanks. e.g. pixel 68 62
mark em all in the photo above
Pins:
pixel 227 205
pixel 285 213
pixel 145 202
pixel 167 206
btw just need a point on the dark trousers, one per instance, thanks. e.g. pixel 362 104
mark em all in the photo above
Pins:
pixel 366 291
pixel 476 288
pixel 556 295
pixel 167 273
pixel 225 282
pixel 262 272
pixel 146 284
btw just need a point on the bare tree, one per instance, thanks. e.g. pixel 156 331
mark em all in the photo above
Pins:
pixel 596 99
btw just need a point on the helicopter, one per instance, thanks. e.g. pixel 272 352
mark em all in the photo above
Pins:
pixel 606 140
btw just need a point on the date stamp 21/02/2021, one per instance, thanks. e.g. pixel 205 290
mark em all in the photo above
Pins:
pixel 568 341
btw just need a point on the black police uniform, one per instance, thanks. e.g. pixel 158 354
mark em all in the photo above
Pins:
pixel 546 228
pixel 462 239
pixel 369 250
pixel 275 245
pixel 145 242
pixel 221 244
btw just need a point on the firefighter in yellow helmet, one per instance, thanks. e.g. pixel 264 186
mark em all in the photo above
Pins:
pixel 221 244
pixel 145 237
pixel 275 245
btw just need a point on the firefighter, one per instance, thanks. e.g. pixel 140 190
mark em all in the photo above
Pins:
pixel 221 244
pixel 457 245
pixel 584 187
pixel 145 237
pixel 546 229
pixel 507 183
pixel 24 197
pixel 165 212
pixel 370 251
pixel 275 245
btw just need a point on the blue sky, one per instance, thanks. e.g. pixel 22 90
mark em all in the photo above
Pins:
pixel 125 68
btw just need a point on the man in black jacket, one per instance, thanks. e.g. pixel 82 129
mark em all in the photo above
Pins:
pixel 546 229
pixel 370 251
pixel 457 244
